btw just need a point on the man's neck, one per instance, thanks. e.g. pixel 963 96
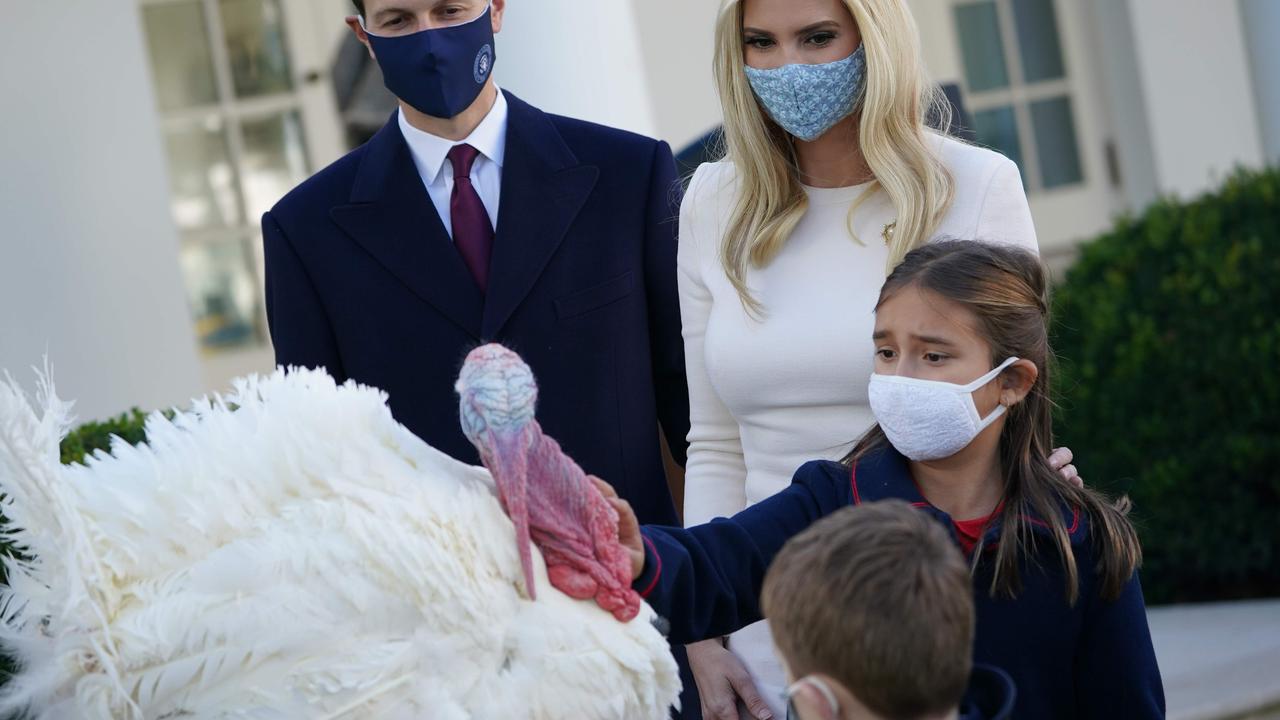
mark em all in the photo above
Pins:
pixel 969 484
pixel 459 127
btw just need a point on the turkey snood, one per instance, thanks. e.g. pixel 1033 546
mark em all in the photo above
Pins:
pixel 549 499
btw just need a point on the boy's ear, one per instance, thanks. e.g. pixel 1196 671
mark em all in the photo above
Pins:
pixel 1016 381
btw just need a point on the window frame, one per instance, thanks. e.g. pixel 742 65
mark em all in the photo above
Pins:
pixel 232 112
pixel 1019 94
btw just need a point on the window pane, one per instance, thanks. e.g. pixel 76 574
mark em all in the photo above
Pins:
pixel 178 42
pixel 1056 142
pixel 275 160
pixel 255 43
pixel 202 183
pixel 1038 40
pixel 998 129
pixel 223 292
pixel 981 46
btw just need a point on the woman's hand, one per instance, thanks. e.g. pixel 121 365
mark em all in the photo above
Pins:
pixel 1060 460
pixel 628 526
pixel 722 679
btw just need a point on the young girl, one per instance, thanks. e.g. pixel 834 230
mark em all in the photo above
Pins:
pixel 961 395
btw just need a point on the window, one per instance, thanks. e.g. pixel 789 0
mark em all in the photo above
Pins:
pixel 1018 90
pixel 233 134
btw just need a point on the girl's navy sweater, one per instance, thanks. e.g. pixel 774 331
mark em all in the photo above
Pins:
pixel 1090 659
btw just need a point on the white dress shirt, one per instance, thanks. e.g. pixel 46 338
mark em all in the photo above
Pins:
pixel 431 157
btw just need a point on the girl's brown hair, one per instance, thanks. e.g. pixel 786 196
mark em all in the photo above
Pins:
pixel 1007 291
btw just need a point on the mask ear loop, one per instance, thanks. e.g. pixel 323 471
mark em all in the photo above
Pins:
pixel 1001 408
pixel 995 373
pixel 823 689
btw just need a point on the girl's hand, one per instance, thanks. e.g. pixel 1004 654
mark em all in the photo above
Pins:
pixel 1060 460
pixel 722 679
pixel 628 526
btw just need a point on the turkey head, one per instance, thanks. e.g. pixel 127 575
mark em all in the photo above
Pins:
pixel 550 500
pixel 497 395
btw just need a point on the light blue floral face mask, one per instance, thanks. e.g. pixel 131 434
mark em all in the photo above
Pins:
pixel 808 100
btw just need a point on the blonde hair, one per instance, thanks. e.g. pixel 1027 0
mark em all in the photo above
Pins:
pixel 892 134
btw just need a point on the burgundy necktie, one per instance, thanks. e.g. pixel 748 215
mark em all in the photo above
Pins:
pixel 472 230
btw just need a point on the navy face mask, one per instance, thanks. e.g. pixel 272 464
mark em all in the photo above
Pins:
pixel 439 72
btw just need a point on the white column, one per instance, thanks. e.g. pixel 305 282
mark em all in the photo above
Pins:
pixel 88 252
pixel 678 41
pixel 1262 28
pixel 315 29
pixel 575 58
pixel 1199 99
pixel 1118 76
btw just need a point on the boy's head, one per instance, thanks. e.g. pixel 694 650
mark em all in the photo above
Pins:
pixel 876 601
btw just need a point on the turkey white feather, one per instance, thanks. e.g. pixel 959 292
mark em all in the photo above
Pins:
pixel 289 551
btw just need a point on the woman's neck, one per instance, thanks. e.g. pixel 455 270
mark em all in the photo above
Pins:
pixel 967 485
pixel 834 159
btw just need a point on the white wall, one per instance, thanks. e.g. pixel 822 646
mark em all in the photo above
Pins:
pixel 88 253
pixel 678 40
pixel 1196 84
pixel 939 41
pixel 580 59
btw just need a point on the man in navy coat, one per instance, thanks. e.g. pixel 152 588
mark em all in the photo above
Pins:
pixel 474 217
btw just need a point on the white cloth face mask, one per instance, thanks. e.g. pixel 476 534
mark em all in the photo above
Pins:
pixel 928 419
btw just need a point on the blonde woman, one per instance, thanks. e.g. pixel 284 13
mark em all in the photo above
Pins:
pixel 831 176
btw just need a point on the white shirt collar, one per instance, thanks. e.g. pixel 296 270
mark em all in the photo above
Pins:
pixel 430 151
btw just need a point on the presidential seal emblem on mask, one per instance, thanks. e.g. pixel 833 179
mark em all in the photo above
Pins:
pixel 484 63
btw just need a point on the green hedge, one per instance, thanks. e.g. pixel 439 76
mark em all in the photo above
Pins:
pixel 1168 330
pixel 90 437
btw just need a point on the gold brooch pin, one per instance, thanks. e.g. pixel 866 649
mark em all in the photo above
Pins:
pixel 887 232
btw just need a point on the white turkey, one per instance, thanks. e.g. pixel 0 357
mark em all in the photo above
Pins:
pixel 290 551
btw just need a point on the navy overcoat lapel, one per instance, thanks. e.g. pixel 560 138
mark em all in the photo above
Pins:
pixel 392 217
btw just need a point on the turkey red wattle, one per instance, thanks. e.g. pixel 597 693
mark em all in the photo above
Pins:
pixel 548 497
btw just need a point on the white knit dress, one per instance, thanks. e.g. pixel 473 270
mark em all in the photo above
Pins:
pixel 768 395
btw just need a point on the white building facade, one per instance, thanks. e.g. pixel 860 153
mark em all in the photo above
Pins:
pixel 138 158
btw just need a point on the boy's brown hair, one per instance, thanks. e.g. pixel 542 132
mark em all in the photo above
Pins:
pixel 878 598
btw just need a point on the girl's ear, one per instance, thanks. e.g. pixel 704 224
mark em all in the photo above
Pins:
pixel 1016 381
